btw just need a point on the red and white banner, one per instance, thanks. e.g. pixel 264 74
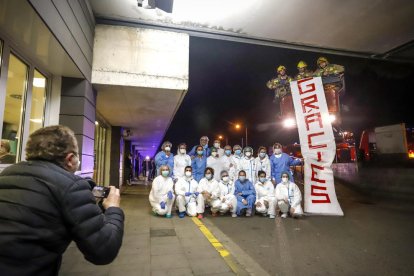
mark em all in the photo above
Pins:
pixel 317 144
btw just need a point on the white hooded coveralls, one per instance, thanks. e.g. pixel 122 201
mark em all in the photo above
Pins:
pixel 216 164
pixel 249 166
pixel 159 192
pixel 212 187
pixel 187 203
pixel 180 162
pixel 265 192
pixel 291 192
pixel 228 200
pixel 230 166
pixel 263 165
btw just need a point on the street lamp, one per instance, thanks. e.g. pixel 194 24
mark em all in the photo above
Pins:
pixel 220 137
pixel 238 126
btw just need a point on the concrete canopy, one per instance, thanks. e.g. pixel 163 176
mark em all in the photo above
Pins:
pixel 371 28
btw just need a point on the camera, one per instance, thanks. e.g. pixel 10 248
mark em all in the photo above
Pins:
pixel 101 191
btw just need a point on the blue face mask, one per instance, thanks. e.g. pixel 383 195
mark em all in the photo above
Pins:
pixel 262 179
pixel 200 152
pixel 228 152
pixel 165 173
pixel 242 178
pixel 238 152
pixel 262 154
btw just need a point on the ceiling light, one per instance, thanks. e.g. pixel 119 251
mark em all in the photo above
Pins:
pixel 39 82
pixel 36 121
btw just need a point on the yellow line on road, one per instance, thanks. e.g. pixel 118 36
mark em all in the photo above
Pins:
pixel 217 245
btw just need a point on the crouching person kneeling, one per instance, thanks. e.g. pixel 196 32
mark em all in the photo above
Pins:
pixel 187 196
pixel 265 192
pixel 288 197
pixel 228 200
pixel 161 196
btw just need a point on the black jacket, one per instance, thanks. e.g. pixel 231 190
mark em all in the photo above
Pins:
pixel 42 209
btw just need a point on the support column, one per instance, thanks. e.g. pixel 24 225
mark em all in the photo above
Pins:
pixel 115 156
pixel 77 111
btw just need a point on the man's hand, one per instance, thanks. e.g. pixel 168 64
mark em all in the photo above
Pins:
pixel 244 202
pixel 113 199
pixel 259 204
pixel 240 194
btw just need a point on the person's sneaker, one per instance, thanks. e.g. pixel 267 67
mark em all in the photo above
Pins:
pixel 271 216
pixel 284 215
pixel 168 216
pixel 234 215
pixel 181 214
pixel 265 215
pixel 200 216
pixel 214 214
pixel 243 212
pixel 248 212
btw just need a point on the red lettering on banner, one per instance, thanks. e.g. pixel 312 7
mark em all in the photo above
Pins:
pixel 313 193
pixel 311 146
pixel 314 173
pixel 319 156
pixel 310 87
pixel 314 117
pixel 308 102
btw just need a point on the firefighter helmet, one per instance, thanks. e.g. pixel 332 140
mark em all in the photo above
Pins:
pixel 322 59
pixel 302 64
pixel 280 68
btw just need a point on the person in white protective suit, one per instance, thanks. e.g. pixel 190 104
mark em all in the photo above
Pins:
pixel 288 197
pixel 162 196
pixel 228 163
pixel 248 164
pixel 214 162
pixel 227 198
pixel 263 162
pixel 181 160
pixel 187 196
pixel 237 157
pixel 208 187
pixel 216 145
pixel 265 196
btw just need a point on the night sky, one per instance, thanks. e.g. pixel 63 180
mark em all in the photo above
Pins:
pixel 227 83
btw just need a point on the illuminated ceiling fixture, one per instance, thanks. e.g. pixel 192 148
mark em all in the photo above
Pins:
pixel 165 5
pixel 36 121
pixel 39 82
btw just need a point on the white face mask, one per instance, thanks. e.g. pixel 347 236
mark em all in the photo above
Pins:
pixel 183 151
pixel 285 179
pixel 225 179
pixel 188 174
pixel 167 148
pixel 217 145
pixel 214 154
pixel 248 154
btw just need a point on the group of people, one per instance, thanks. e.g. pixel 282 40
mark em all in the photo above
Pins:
pixel 225 179
pixel 280 84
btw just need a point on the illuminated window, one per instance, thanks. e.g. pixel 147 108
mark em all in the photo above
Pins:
pixel 38 101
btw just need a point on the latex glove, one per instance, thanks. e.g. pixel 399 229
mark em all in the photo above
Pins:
pixel 162 204
pixel 196 193
pixel 170 195
pixel 187 194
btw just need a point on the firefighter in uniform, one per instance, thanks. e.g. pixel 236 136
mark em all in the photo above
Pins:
pixel 327 69
pixel 303 71
pixel 281 83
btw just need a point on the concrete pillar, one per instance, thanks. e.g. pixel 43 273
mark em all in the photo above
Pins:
pixel 77 111
pixel 115 155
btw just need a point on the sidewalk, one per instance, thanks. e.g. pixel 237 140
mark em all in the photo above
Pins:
pixel 153 245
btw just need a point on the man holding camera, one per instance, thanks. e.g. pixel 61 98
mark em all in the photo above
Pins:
pixel 44 206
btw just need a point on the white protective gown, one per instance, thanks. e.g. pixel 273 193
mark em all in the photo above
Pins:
pixel 187 203
pixel 216 164
pixel 160 188
pixel 265 192
pixel 263 165
pixel 229 166
pixel 228 200
pixel 212 187
pixel 180 162
pixel 291 192
pixel 236 161
pixel 249 166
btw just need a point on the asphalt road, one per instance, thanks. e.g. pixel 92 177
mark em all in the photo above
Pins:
pixel 375 237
